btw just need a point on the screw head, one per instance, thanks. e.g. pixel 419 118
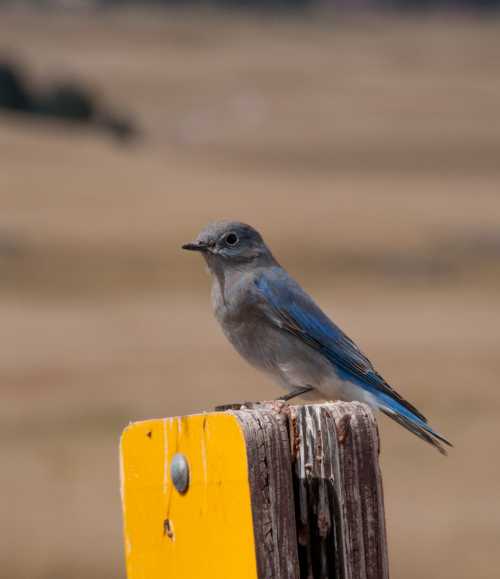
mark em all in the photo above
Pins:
pixel 179 472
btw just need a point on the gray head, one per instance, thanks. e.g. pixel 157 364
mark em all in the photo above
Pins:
pixel 233 244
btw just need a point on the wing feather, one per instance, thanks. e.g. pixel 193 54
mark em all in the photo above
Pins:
pixel 296 312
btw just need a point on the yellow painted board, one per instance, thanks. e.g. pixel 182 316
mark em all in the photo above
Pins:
pixel 209 531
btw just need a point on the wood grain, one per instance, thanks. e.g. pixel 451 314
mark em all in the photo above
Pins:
pixel 269 466
pixel 339 497
pixel 316 487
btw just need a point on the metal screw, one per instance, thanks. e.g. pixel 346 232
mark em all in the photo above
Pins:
pixel 179 472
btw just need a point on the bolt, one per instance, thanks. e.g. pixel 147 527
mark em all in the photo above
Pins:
pixel 179 472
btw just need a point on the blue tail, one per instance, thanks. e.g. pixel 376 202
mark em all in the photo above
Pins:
pixel 418 426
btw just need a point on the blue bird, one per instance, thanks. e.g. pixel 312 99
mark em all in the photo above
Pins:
pixel 277 327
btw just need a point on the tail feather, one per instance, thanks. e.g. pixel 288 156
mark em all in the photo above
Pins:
pixel 393 409
pixel 425 433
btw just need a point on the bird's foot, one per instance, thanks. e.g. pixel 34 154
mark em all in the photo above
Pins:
pixel 278 401
pixel 277 405
pixel 235 406
pixel 294 393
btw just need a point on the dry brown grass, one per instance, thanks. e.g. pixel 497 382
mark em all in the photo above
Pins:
pixel 367 152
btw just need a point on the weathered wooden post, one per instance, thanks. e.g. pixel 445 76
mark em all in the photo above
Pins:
pixel 260 491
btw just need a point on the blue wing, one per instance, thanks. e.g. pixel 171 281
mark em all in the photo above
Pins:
pixel 294 311
pixel 298 314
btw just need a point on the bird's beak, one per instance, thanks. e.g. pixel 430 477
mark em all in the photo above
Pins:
pixel 195 247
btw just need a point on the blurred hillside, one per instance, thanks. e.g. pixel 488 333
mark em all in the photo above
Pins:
pixel 367 152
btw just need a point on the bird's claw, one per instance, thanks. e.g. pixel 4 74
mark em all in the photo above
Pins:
pixel 294 393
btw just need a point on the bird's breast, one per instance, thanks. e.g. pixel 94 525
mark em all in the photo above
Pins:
pixel 244 326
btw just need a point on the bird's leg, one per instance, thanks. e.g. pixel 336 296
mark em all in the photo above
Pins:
pixel 285 398
pixel 295 392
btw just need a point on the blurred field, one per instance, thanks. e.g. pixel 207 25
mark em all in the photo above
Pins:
pixel 368 153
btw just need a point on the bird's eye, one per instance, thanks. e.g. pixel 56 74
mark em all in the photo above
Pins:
pixel 232 239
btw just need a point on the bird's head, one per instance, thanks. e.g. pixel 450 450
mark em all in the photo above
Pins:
pixel 231 244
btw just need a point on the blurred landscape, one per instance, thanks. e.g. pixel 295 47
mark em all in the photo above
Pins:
pixel 367 151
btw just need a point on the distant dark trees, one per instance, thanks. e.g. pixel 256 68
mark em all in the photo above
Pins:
pixel 13 93
pixel 297 4
pixel 68 101
pixel 429 4
pixel 344 4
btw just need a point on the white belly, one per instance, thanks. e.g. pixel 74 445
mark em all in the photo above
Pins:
pixel 325 381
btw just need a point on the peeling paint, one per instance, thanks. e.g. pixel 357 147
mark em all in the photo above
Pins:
pixel 203 446
pixel 165 457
